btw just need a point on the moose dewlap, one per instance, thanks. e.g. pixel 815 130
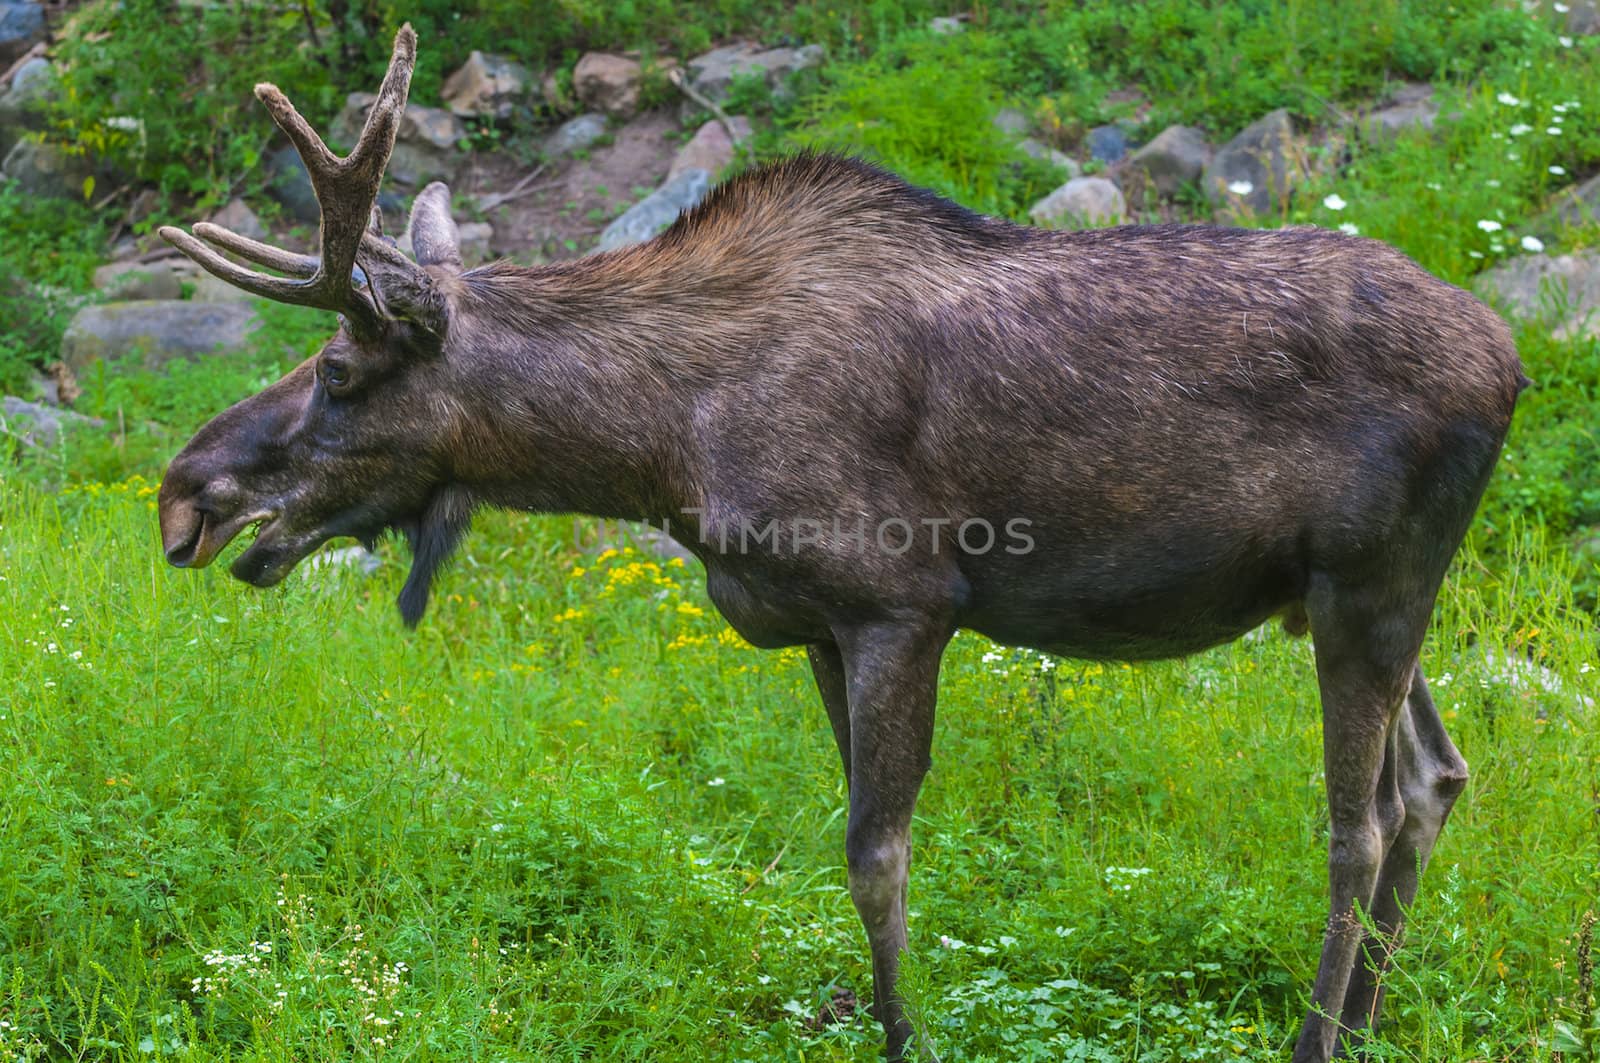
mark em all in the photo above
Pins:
pixel 1193 429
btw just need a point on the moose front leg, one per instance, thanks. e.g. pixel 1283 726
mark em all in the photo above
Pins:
pixel 891 673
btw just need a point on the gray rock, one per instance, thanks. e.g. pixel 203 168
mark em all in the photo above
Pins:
pixel 424 147
pixel 34 424
pixel 1107 143
pixel 1082 201
pixel 607 83
pixel 710 149
pixel 656 211
pixel 1560 291
pixel 945 25
pixel 1412 107
pixel 1035 149
pixel 1576 205
pixel 486 85
pixel 1256 169
pixel 575 134
pixel 237 217
pixel 1010 120
pixel 137 280
pixel 209 289
pixel 158 331
pixel 22 106
pixel 290 184
pixel 713 73
pixel 42 169
pixel 1177 156
pixel 21 27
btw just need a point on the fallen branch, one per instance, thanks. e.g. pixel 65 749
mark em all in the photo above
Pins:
pixel 488 202
pixel 675 76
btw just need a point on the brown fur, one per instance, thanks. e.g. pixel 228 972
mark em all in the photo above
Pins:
pixel 1202 428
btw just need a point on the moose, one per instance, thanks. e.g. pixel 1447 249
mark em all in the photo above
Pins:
pixel 1195 429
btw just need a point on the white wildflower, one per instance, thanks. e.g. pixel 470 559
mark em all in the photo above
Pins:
pixel 1489 226
pixel 1349 228
pixel 1241 188
pixel 1532 243
pixel 1508 99
pixel 1334 202
pixel 718 781
pixel 1520 129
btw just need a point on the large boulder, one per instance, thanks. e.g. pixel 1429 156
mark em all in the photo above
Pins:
pixel 424 147
pixel 1082 201
pixel 656 211
pixel 1176 157
pixel 713 74
pixel 486 86
pixel 1257 169
pixel 155 330
pixel 22 26
pixel 710 149
pixel 34 424
pixel 608 83
pixel 1561 291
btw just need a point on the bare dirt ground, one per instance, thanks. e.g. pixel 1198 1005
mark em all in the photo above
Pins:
pixel 568 204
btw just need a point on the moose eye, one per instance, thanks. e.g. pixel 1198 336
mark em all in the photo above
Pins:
pixel 335 374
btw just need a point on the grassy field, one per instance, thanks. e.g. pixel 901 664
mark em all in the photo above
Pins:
pixel 573 816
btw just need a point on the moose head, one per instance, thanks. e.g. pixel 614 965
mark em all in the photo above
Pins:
pixel 354 441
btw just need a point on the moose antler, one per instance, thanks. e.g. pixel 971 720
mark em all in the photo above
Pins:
pixel 346 189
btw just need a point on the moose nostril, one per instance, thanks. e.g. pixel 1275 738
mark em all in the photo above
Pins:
pixel 183 528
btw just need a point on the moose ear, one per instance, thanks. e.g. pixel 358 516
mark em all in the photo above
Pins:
pixel 435 241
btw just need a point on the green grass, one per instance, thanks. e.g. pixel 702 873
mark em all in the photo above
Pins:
pixel 588 821
pixel 573 817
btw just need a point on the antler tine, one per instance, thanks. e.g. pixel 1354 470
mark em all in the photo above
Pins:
pixel 346 190
pixel 259 253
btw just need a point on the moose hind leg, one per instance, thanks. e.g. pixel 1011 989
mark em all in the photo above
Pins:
pixel 1430 773
pixel 1366 642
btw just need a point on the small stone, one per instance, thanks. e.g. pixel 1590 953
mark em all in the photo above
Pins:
pixel 1035 149
pixel 710 149
pixel 1411 107
pixel 289 183
pixel 1011 120
pixel 1257 169
pixel 1177 156
pixel 576 134
pixel 1108 143
pixel 475 237
pixel 1578 205
pixel 137 280
pixel 1082 201
pixel 486 85
pixel 237 217
pixel 42 169
pixel 656 211
pixel 607 83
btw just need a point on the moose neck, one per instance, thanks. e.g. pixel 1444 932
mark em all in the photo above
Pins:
pixel 585 390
